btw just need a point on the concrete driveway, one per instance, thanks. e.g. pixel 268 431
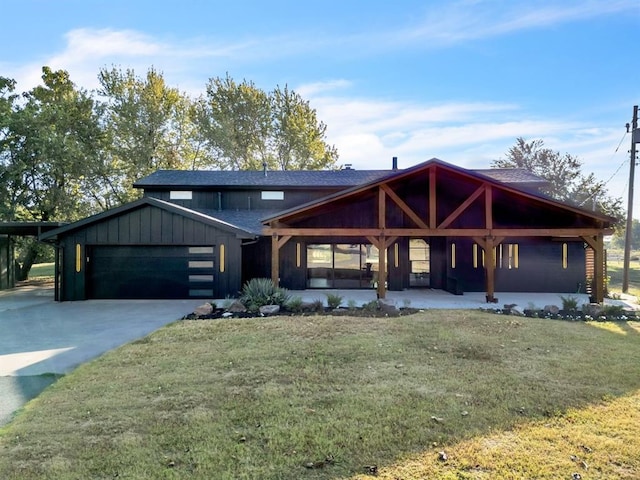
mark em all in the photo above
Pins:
pixel 41 339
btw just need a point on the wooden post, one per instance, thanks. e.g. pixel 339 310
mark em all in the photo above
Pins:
pixel 275 260
pixel 598 271
pixel 597 244
pixel 382 267
pixel 489 266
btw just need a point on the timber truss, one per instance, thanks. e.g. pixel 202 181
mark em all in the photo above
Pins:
pixel 436 216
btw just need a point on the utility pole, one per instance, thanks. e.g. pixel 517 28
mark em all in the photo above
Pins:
pixel 635 137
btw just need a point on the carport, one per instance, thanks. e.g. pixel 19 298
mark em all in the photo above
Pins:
pixel 8 232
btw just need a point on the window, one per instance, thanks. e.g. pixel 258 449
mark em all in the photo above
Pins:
pixel 565 256
pixel 200 250
pixel 342 266
pixel 180 195
pixel 272 196
pixel 200 264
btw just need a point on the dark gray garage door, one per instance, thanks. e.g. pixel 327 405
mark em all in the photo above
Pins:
pixel 142 272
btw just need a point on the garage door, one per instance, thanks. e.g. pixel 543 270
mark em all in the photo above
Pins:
pixel 142 272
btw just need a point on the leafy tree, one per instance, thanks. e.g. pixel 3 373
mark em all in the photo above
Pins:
pixel 50 144
pixel 149 128
pixel 244 128
pixel 567 182
pixel 234 120
pixel 618 238
pixel 297 134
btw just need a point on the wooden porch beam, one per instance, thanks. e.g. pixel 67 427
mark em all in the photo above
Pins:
pixel 282 240
pixel 488 206
pixel 382 267
pixel 490 269
pixel 275 260
pixel 432 198
pixel 435 232
pixel 597 244
pixel 458 211
pixel 404 207
pixel 382 207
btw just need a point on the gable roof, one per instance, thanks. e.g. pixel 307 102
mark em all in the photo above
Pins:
pixel 154 202
pixel 441 164
pixel 303 179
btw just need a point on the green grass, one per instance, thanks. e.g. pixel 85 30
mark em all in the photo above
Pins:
pixel 615 273
pixel 505 397
pixel 42 271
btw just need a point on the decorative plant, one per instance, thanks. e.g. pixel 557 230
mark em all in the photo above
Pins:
pixel 334 300
pixel 261 291
pixel 569 303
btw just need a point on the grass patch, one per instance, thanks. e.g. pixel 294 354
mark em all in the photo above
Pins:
pixel 615 270
pixel 42 271
pixel 328 397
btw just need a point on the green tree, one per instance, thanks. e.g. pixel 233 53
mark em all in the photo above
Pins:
pixel 298 136
pixel 567 182
pixel 244 128
pixel 50 145
pixel 618 239
pixel 234 120
pixel 149 128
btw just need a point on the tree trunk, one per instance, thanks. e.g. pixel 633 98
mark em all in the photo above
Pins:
pixel 29 257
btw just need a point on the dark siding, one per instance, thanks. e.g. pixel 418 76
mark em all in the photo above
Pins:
pixel 149 226
pixel 539 270
pixel 242 199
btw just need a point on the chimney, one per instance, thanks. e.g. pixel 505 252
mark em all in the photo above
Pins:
pixel 394 163
pixel 264 168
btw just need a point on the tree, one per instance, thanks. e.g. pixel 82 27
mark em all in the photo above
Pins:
pixel 50 145
pixel 618 238
pixel 567 182
pixel 245 128
pixel 234 121
pixel 297 135
pixel 149 128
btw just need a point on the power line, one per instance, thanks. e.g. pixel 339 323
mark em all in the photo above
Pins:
pixel 624 162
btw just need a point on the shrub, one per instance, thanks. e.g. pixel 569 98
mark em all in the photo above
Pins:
pixel 371 306
pixel 334 300
pixel 317 306
pixel 612 311
pixel 261 291
pixel 351 304
pixel 295 304
pixel 569 303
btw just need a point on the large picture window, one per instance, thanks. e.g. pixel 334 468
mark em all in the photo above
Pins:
pixel 342 266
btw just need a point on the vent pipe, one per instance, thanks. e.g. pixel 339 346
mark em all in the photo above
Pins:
pixel 264 168
pixel 394 163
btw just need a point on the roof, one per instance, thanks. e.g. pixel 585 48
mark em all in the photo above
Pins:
pixel 514 176
pixel 258 179
pixel 247 220
pixel 27 228
pixel 189 179
pixel 171 207
pixel 440 163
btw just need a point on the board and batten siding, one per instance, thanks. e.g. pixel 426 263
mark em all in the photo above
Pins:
pixel 152 226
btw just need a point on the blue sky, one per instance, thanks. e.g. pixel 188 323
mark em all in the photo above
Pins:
pixel 457 80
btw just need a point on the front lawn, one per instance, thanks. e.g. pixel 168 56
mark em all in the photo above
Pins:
pixel 439 394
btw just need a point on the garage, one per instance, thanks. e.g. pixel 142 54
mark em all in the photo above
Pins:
pixel 150 272
pixel 148 249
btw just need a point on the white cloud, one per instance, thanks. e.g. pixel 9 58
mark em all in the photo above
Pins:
pixel 464 20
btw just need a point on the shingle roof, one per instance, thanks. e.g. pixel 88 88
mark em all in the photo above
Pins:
pixel 512 176
pixel 304 178
pixel 248 220
pixel 242 178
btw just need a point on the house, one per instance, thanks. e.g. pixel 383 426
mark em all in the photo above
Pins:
pixel 202 234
